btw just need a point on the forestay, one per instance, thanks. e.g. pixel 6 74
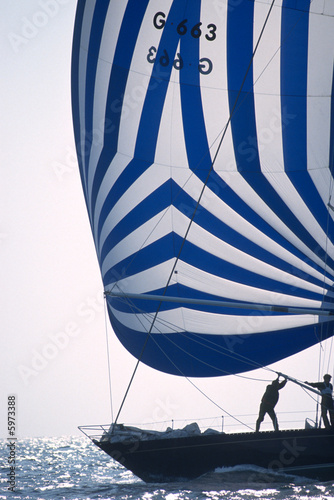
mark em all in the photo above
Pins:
pixel 170 97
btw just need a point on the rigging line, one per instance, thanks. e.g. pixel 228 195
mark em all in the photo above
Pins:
pixel 196 207
pixel 325 266
pixel 330 207
pixel 316 400
pixel 213 347
pixel 146 315
pixel 216 404
pixel 132 377
pixel 319 372
pixel 227 354
pixel 197 388
pixel 108 358
pixel 220 350
pixel 223 371
pixel 139 359
pixel 216 348
pixel 235 356
pixel 195 357
pixel 165 211
pixel 331 167
pixel 329 354
pixel 325 269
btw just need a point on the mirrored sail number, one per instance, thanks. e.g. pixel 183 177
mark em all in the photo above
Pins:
pixel 159 21
pixel 205 65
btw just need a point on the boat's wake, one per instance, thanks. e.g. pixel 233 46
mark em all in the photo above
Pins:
pixel 251 475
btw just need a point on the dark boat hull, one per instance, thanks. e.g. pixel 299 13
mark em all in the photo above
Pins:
pixel 306 452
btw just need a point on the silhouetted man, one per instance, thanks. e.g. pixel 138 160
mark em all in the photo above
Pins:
pixel 268 403
pixel 326 390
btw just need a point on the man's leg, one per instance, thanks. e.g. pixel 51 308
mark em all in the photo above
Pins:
pixel 262 413
pixel 273 417
pixel 324 417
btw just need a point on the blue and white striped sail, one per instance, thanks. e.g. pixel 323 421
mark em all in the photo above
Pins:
pixel 229 106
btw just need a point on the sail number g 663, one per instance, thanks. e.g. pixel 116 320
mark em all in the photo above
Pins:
pixel 159 21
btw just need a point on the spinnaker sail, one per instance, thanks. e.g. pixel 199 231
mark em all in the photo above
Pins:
pixel 205 139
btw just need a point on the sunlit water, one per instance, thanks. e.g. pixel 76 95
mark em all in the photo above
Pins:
pixel 73 468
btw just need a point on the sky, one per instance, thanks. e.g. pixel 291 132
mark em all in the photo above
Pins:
pixel 53 354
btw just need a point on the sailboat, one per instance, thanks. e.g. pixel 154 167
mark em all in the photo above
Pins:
pixel 205 142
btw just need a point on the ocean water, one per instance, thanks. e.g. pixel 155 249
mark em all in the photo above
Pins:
pixel 71 468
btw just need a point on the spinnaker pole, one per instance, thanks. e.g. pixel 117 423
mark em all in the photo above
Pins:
pixel 221 303
pixel 302 384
